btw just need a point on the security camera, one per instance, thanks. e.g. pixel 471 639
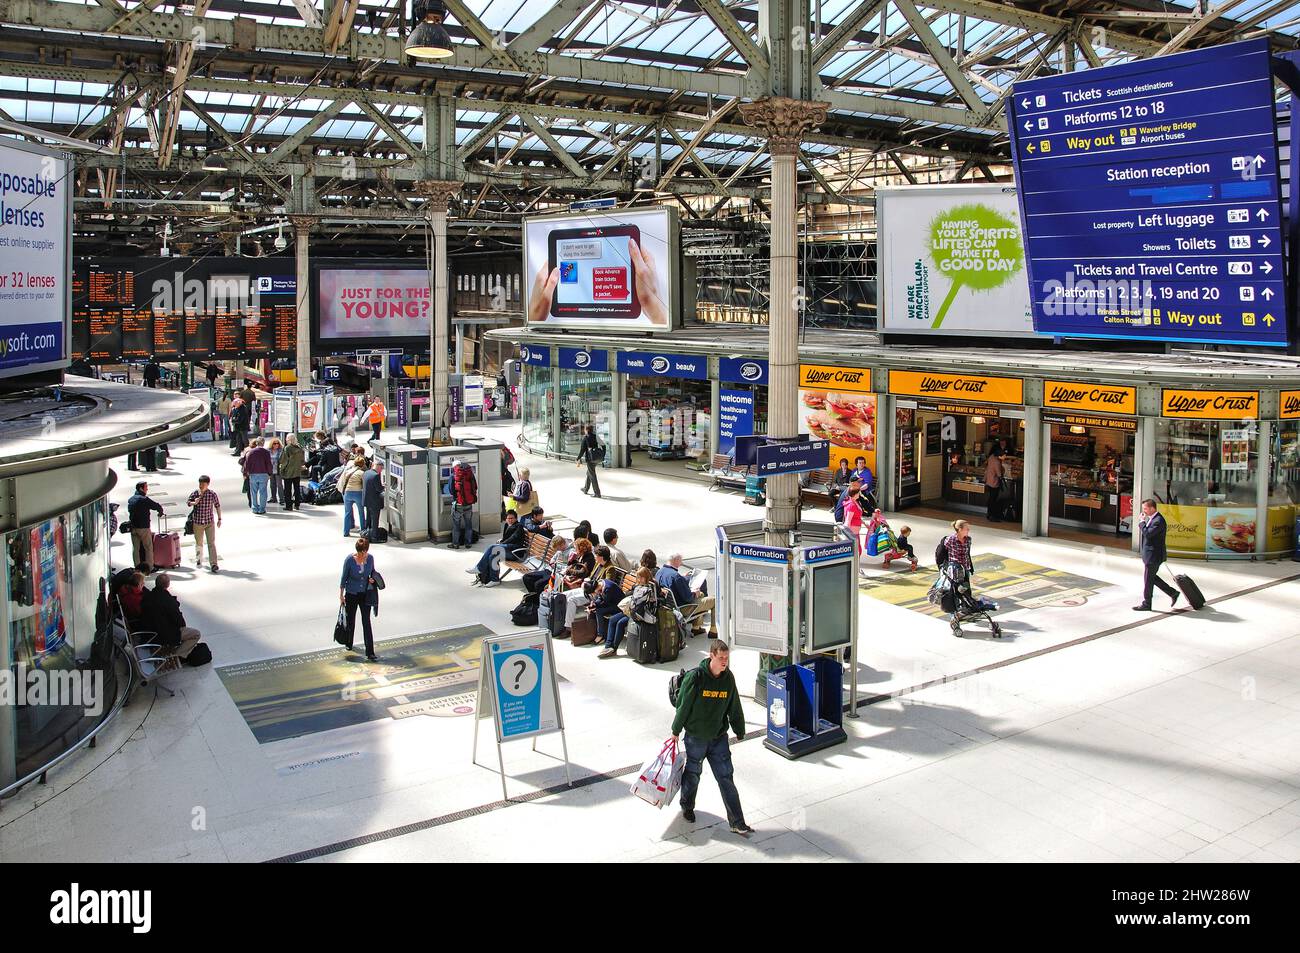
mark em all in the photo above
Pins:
pixel 281 243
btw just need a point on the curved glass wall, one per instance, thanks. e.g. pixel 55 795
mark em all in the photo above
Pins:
pixel 59 679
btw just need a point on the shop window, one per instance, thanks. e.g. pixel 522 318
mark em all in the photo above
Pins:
pixel 538 404
pixel 585 400
pixel 1283 487
pixel 1205 479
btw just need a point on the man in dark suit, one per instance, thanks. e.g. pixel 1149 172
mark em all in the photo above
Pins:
pixel 372 495
pixel 1151 532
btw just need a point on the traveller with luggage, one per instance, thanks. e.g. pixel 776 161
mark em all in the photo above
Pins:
pixel 1152 530
pixel 161 614
pixel 708 701
pixel 372 499
pixel 356 584
pixel 464 494
pixel 351 484
pixel 139 509
pixel 642 604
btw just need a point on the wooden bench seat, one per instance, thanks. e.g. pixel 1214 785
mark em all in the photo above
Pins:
pixel 820 489
pixel 541 550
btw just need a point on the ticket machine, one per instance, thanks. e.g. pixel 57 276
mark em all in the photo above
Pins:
pixel 406 491
pixel 488 510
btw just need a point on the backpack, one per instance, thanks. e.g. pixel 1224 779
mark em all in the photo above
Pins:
pixel 199 655
pixel 464 489
pixel 526 612
pixel 941 553
pixel 675 687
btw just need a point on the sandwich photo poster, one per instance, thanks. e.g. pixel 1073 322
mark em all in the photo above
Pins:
pixel 836 404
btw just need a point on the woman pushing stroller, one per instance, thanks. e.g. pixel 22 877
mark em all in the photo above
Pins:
pixel 952 590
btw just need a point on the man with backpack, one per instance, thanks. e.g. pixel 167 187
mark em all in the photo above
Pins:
pixel 707 702
pixel 464 494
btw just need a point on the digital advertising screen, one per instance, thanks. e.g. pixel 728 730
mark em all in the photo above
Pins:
pixel 35 263
pixel 607 270
pixel 359 307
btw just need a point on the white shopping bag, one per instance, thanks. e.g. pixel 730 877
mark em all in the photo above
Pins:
pixel 661 776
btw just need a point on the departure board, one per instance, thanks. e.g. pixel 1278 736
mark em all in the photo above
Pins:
pixel 184 309
pixel 168 335
pixel 200 335
pixel 137 334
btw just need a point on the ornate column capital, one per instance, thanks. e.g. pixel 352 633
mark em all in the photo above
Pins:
pixel 784 120
pixel 439 192
pixel 302 223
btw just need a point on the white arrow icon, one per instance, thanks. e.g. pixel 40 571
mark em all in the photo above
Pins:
pixel 1264 241
pixel 1266 267
pixel 1262 213
pixel 1024 103
pixel 1267 293
pixel 1259 161
pixel 1028 126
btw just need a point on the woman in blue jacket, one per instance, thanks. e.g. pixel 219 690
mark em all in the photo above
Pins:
pixel 354 588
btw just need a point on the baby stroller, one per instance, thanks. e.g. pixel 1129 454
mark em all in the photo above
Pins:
pixel 882 542
pixel 952 593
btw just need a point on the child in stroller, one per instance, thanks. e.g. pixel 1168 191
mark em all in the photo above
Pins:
pixel 882 542
pixel 952 592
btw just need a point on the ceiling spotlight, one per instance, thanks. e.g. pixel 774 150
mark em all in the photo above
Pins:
pixel 281 243
pixel 212 162
pixel 429 40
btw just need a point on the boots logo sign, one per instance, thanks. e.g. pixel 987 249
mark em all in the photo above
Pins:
pixel 751 371
pixel 997 390
pixel 660 365
pixel 1091 398
pixel 1211 405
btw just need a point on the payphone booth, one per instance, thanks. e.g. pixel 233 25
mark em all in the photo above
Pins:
pixel 440 463
pixel 800 601
pixel 406 491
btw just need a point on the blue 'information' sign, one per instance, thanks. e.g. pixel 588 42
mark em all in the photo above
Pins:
pixel 1149 199
pixel 775 459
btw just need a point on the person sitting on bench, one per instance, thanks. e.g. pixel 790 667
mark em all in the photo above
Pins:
pixel 513 545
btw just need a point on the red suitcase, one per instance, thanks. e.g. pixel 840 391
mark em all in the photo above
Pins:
pixel 166 548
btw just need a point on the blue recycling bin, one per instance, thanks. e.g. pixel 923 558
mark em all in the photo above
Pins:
pixel 805 707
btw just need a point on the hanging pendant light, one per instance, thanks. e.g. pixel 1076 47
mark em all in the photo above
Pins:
pixel 429 40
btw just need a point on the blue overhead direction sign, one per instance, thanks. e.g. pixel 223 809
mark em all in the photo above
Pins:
pixel 1150 199
pixel 800 456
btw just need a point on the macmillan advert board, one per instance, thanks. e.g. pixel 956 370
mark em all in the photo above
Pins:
pixel 952 261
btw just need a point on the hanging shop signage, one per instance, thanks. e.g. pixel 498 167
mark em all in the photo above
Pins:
pixel 644 364
pixel 743 370
pixel 997 390
pixel 1092 420
pixel 1090 398
pixel 534 355
pixel 735 417
pixel 1288 404
pixel 1149 193
pixel 944 407
pixel 580 359
pixel 826 377
pixel 1210 404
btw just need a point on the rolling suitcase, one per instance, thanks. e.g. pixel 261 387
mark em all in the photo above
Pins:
pixel 1190 590
pixel 643 642
pixel 669 639
pixel 160 458
pixel 166 548
pixel 550 613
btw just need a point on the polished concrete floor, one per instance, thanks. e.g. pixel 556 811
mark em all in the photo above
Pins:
pixel 1089 733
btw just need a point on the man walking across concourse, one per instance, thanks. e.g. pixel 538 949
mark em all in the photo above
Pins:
pixel 591 453
pixel 1151 546
pixel 706 703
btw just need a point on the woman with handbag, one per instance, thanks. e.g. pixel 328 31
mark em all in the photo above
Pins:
pixel 358 589
pixel 581 564
pixel 645 594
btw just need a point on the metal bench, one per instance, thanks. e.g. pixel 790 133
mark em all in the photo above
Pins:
pixel 541 550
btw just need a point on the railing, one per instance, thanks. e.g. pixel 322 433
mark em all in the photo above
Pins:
pixel 89 739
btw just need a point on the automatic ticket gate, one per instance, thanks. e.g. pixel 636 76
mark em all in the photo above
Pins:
pixel 406 491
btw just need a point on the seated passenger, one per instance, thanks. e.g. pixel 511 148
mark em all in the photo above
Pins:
pixel 513 545
pixel 692 607
pixel 160 613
